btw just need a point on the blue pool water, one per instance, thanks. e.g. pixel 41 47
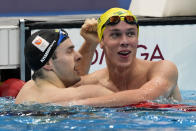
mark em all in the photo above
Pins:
pixel 47 117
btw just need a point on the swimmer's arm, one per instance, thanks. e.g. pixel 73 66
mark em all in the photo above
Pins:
pixel 92 78
pixel 159 84
pixel 82 92
pixel 176 94
pixel 148 91
pixel 90 91
pixel 89 33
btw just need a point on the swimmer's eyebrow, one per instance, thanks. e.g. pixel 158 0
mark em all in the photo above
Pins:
pixel 114 30
pixel 117 30
pixel 132 29
pixel 71 47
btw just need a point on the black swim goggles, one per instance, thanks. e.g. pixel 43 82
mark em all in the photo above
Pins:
pixel 116 19
pixel 63 35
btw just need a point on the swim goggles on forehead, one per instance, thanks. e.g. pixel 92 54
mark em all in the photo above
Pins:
pixel 63 35
pixel 116 19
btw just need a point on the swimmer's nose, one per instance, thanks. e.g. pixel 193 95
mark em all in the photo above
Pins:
pixel 124 41
pixel 78 56
pixel 124 45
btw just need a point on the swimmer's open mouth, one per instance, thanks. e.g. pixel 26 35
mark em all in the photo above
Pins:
pixel 124 53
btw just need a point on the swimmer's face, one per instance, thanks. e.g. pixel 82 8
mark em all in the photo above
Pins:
pixel 120 43
pixel 66 62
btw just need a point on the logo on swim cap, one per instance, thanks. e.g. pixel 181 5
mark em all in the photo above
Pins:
pixel 40 43
pixel 109 13
pixel 119 13
pixel 99 20
pixel 41 46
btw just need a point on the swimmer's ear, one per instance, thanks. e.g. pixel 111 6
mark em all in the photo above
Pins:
pixel 48 66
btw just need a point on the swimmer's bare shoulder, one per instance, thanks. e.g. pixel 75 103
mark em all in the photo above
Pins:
pixel 167 71
pixel 26 92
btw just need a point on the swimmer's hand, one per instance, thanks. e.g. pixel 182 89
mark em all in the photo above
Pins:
pixel 89 31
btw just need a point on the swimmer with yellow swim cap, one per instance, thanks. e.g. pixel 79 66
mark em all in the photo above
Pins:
pixel 113 16
pixel 132 79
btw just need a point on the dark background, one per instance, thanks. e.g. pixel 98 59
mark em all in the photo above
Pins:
pixel 58 7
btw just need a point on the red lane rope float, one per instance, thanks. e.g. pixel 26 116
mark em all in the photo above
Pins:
pixel 11 87
pixel 182 107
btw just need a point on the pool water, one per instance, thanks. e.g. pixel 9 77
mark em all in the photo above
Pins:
pixel 49 117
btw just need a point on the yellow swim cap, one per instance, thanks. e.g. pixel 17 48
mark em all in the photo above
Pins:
pixel 109 13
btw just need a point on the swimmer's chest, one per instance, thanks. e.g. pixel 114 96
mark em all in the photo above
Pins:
pixel 121 85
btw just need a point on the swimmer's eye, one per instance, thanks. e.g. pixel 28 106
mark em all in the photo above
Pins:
pixel 131 33
pixel 70 49
pixel 115 34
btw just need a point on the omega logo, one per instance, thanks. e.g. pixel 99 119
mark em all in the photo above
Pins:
pixel 147 56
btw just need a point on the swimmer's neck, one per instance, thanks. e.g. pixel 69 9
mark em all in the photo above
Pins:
pixel 121 77
pixel 50 79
